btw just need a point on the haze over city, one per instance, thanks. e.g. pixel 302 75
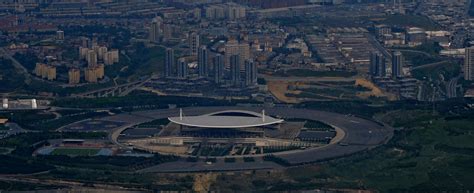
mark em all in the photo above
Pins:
pixel 328 96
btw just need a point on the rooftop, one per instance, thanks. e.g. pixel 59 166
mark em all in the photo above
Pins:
pixel 227 119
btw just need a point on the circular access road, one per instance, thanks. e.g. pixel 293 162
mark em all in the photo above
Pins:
pixel 360 134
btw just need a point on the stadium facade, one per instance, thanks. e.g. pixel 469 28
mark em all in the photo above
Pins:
pixel 231 119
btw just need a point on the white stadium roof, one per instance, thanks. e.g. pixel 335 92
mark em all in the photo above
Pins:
pixel 226 119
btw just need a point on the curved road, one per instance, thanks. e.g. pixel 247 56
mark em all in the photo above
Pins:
pixel 430 65
pixel 360 135
pixel 412 51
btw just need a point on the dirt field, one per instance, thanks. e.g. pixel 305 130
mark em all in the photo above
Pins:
pixel 280 88
pixel 377 92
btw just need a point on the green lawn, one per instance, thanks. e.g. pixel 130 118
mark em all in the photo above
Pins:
pixel 75 151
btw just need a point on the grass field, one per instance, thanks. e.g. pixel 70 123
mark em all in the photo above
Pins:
pixel 75 151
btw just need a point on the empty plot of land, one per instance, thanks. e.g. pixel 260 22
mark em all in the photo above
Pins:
pixel 279 90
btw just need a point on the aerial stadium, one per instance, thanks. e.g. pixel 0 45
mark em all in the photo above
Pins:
pixel 226 124
pixel 232 119
pixel 235 133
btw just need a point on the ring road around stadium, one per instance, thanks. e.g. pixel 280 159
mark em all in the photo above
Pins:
pixel 298 136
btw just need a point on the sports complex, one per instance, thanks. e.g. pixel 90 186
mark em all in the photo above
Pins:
pixel 297 136
pixel 236 133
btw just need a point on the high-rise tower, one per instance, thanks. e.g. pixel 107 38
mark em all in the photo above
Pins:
pixel 194 43
pixel 218 65
pixel 250 73
pixel 377 65
pixel 235 70
pixel 169 62
pixel 182 68
pixel 397 64
pixel 156 30
pixel 203 61
pixel 469 64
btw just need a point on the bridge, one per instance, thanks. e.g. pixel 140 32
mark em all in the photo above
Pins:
pixel 118 90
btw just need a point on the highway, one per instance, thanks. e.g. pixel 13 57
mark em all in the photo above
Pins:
pixel 430 65
pixel 123 89
pixel 412 51
pixel 379 47
pixel 451 87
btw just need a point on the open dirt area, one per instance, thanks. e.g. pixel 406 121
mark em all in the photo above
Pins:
pixel 280 88
pixel 375 91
